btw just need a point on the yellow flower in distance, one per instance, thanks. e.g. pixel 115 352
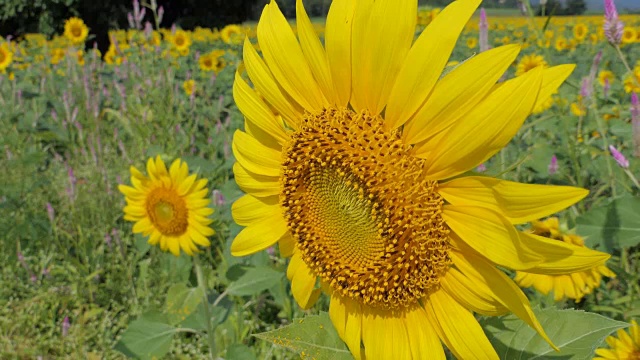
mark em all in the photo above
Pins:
pixel 605 75
pixel 169 206
pixel 75 30
pixel 472 42
pixel 189 87
pixel 180 40
pixel 573 286
pixel 580 31
pixel 6 57
pixel 625 347
pixel 212 61
pixel 530 62
pixel 231 34
pixel 353 158
pixel 628 35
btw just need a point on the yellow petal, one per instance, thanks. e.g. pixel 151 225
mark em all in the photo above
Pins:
pixel 382 35
pixel 254 156
pixel 262 136
pixel 465 291
pixel 491 235
pixel 423 339
pixel 286 61
pixel 287 245
pixel 561 258
pixel 384 335
pixel 256 111
pixel 346 316
pixel 259 235
pixel 458 328
pixel 552 78
pixel 249 209
pixel 500 287
pixel 473 139
pixel 457 93
pixel 519 203
pixel 303 286
pixel 184 187
pixel 161 168
pixel 314 52
pixel 255 184
pixel 337 38
pixel 173 245
pixel 425 61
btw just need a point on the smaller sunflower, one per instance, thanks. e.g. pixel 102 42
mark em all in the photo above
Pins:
pixel 573 286
pixel 628 35
pixel 561 44
pixel 189 87
pixel 472 42
pixel 231 34
pixel 606 75
pixel 530 62
pixel 212 61
pixel 75 30
pixel 580 31
pixel 632 81
pixel 625 347
pixel 169 206
pixel 6 57
pixel 180 40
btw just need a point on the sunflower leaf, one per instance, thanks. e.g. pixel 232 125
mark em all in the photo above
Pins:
pixel 181 302
pixel 612 226
pixel 312 337
pixel 147 337
pixel 254 281
pixel 577 333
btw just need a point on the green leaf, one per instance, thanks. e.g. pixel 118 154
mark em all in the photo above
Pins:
pixel 578 334
pixel 254 281
pixel 312 337
pixel 181 302
pixel 612 226
pixel 147 337
pixel 239 352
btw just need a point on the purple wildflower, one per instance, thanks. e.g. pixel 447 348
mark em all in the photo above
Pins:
pixel 619 157
pixel 613 27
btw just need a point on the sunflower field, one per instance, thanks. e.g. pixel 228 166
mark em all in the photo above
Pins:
pixel 388 182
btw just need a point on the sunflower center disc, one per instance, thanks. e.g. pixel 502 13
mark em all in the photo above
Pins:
pixel 365 218
pixel 76 31
pixel 167 211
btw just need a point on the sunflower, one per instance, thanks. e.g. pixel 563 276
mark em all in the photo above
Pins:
pixel 354 164
pixel 472 42
pixel 530 62
pixel 6 57
pixel 180 40
pixel 561 44
pixel 189 87
pixel 580 31
pixel 632 81
pixel 75 30
pixel 604 76
pixel 171 207
pixel 212 61
pixel 625 347
pixel 628 35
pixel 573 286
pixel 231 34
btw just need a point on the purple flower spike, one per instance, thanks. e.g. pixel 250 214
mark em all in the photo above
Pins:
pixel 620 159
pixel 484 31
pixel 553 165
pixel 613 27
pixel 635 123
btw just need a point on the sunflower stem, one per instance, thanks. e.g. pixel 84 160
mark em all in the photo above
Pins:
pixel 626 64
pixel 207 311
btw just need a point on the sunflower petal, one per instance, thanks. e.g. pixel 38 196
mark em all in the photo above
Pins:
pixel 249 209
pixel 491 235
pixel 500 287
pixel 286 61
pixel 552 78
pixel 473 139
pixel 519 203
pixel 464 290
pixel 255 184
pixel 346 316
pixel 458 93
pixel 458 328
pixel 337 38
pixel 303 284
pixel 254 156
pixel 425 61
pixel 259 235
pixel 382 36
pixel 384 335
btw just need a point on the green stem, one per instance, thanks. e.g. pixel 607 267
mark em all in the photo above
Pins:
pixel 626 64
pixel 207 311
pixel 632 177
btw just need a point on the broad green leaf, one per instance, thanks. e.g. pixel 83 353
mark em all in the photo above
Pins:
pixel 239 352
pixel 254 281
pixel 147 337
pixel 312 337
pixel 616 225
pixel 577 333
pixel 181 302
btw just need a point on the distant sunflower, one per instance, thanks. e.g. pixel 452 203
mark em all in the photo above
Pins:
pixel 561 44
pixel 580 31
pixel 231 34
pixel 6 57
pixel 625 347
pixel 75 30
pixel 472 42
pixel 189 87
pixel 530 62
pixel 628 35
pixel 180 40
pixel 354 162
pixel 573 286
pixel 212 61
pixel 169 206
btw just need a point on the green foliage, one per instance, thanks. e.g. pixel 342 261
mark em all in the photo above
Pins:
pixel 312 337
pixel 612 226
pixel 576 333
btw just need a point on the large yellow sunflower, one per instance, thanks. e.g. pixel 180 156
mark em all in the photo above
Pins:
pixel 169 206
pixel 625 347
pixel 573 286
pixel 75 30
pixel 354 160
